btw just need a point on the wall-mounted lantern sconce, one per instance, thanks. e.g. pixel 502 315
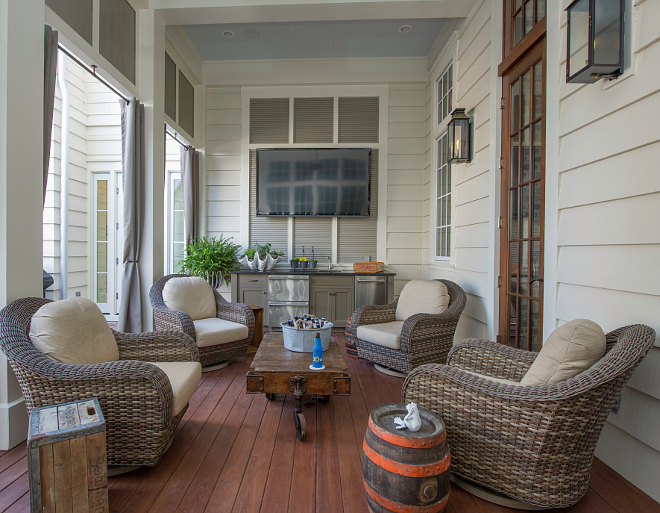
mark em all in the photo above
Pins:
pixel 459 137
pixel 595 40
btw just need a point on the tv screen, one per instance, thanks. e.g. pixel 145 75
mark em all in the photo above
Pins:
pixel 313 182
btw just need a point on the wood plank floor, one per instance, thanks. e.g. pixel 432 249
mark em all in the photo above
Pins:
pixel 235 452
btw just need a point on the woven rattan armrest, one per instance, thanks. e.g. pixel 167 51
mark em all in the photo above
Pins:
pixel 491 359
pixel 157 346
pixel 174 320
pixel 108 381
pixel 374 314
pixel 235 312
pixel 419 328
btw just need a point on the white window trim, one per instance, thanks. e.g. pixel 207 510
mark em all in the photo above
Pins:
pixel 442 74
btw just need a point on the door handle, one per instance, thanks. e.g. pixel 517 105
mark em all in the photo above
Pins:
pixel 371 281
pixel 253 281
pixel 540 280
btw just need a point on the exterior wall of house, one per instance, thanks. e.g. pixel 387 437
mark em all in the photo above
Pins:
pixel 468 45
pixel 78 279
pixel 603 163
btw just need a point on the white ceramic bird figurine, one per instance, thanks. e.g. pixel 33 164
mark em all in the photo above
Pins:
pixel 410 421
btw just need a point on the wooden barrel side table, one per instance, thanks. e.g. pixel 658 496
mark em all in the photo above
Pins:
pixel 404 471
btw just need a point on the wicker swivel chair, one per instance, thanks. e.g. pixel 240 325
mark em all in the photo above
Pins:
pixel 136 397
pixel 425 338
pixel 212 355
pixel 533 444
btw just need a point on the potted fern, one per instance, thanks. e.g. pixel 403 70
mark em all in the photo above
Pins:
pixel 212 259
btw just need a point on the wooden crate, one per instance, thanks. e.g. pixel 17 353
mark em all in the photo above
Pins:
pixel 368 267
pixel 67 458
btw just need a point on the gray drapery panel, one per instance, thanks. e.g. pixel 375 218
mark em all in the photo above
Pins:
pixel 50 77
pixel 190 191
pixel 132 141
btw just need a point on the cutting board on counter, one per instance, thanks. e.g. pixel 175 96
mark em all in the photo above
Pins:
pixel 368 267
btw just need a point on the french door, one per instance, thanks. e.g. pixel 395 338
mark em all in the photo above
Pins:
pixel 523 200
pixel 107 249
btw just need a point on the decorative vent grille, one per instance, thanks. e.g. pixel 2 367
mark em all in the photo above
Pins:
pixel 264 229
pixel 312 120
pixel 170 87
pixel 358 119
pixel 313 231
pixel 269 120
pixel 186 105
pixel 357 237
pixel 117 35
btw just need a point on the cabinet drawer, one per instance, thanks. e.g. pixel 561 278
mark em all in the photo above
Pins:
pixel 332 282
pixel 253 280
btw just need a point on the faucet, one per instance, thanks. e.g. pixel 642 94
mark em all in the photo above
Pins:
pixel 330 266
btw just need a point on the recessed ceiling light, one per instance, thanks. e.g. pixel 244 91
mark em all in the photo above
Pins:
pixel 405 28
pixel 228 33
pixel 251 33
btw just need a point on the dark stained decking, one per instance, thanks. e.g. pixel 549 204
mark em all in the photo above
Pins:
pixel 235 452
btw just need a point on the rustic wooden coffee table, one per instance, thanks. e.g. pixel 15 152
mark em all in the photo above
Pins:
pixel 276 370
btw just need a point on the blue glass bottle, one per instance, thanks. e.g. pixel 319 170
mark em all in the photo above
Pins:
pixel 317 354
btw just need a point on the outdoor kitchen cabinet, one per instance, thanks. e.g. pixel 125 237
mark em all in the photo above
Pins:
pixel 332 297
pixel 251 289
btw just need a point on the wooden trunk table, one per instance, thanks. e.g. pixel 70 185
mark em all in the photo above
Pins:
pixel 276 370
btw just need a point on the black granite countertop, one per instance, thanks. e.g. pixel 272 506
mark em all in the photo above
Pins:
pixel 312 272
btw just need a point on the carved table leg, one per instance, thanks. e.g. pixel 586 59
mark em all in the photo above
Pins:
pixel 298 390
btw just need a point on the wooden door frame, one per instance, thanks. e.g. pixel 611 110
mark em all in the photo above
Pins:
pixel 516 70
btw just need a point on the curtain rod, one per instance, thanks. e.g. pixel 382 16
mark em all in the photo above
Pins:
pixel 93 73
pixel 173 136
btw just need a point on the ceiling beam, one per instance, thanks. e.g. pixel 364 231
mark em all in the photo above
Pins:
pixel 195 12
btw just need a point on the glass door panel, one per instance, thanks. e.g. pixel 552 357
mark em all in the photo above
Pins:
pixel 523 182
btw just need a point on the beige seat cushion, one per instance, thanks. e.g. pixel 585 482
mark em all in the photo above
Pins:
pixel 422 296
pixel 190 294
pixel 496 380
pixel 387 334
pixel 184 378
pixel 569 350
pixel 211 332
pixel 73 331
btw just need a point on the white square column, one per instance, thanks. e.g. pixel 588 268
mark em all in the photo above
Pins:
pixel 21 182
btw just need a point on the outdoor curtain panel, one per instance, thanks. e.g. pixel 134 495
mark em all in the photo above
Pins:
pixel 190 191
pixel 50 76
pixel 132 145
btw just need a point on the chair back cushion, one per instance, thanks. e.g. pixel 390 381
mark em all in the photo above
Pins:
pixel 569 350
pixel 73 331
pixel 422 296
pixel 190 294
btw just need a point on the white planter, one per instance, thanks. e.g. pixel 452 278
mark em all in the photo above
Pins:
pixel 302 341
pixel 258 264
pixel 250 264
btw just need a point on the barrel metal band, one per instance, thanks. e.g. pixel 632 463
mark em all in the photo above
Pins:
pixel 405 469
pixel 403 441
pixel 404 508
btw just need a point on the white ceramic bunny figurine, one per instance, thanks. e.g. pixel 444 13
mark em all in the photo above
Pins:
pixel 410 421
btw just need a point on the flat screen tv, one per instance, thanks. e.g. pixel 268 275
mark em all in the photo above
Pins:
pixel 313 182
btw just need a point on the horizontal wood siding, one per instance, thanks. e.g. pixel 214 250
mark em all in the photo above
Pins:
pixel 608 237
pixel 469 264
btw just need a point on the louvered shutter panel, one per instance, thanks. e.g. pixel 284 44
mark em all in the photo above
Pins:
pixel 170 87
pixel 312 120
pixel 358 236
pixel 186 105
pixel 78 15
pixel 269 120
pixel 313 231
pixel 117 35
pixel 358 119
pixel 264 229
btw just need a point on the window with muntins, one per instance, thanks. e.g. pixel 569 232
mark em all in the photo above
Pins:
pixel 444 93
pixel 443 199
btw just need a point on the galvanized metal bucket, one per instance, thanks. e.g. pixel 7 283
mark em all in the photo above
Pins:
pixel 302 341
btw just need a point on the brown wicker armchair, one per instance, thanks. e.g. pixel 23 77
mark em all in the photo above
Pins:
pixel 533 444
pixel 166 319
pixel 136 397
pixel 425 338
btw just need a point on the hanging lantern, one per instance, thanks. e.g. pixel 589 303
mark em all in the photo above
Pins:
pixel 595 40
pixel 459 137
